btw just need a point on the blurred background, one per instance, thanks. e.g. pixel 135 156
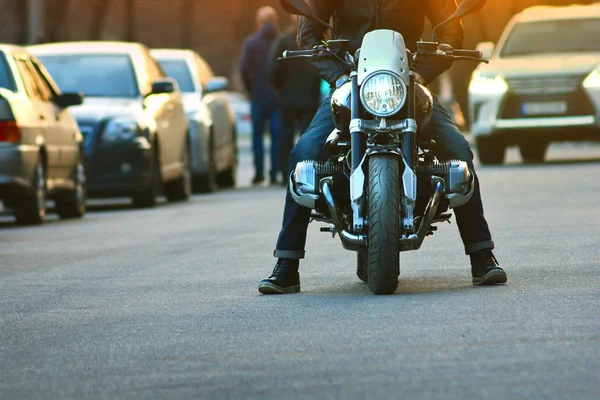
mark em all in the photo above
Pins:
pixel 216 29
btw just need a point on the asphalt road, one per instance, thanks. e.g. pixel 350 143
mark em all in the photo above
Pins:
pixel 162 304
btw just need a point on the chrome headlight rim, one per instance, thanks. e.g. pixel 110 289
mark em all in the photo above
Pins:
pixel 402 100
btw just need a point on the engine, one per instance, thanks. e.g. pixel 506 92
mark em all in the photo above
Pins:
pixel 458 187
pixel 304 181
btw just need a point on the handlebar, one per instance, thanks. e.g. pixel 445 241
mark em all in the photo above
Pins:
pixel 467 53
pixel 297 53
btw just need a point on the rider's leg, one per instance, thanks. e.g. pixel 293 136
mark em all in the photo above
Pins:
pixel 275 129
pixel 470 218
pixel 292 238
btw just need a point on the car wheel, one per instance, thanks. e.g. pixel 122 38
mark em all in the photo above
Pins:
pixel 147 197
pixel 181 189
pixel 207 183
pixel 533 152
pixel 31 210
pixel 72 204
pixel 228 177
pixel 490 150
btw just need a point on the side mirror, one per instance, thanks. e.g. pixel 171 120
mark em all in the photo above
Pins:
pixel 164 85
pixel 216 84
pixel 297 7
pixel 65 100
pixel 486 49
pixel 465 7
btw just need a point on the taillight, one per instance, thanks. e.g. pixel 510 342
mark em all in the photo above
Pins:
pixel 9 131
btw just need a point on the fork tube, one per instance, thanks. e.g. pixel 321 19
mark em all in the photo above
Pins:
pixel 408 138
pixel 356 136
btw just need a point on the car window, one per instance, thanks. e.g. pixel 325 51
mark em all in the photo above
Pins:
pixel 45 76
pixel 94 75
pixel 45 90
pixel 204 71
pixel 558 36
pixel 29 82
pixel 6 78
pixel 179 70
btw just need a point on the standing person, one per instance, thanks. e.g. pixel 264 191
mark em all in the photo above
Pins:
pixel 263 100
pixel 352 20
pixel 298 84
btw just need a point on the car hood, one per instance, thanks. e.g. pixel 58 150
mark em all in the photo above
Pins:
pixel 95 109
pixel 540 65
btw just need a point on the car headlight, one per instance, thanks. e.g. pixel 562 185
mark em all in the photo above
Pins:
pixel 383 94
pixel 120 129
pixel 593 79
pixel 487 83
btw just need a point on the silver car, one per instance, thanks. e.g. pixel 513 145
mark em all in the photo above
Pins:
pixel 133 120
pixel 211 117
pixel 542 83
pixel 40 142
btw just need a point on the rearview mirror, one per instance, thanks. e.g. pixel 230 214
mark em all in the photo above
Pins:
pixel 164 85
pixel 65 100
pixel 296 7
pixel 216 84
pixel 465 7
pixel 486 49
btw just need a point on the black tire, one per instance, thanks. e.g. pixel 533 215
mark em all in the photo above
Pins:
pixel 31 209
pixel 533 152
pixel 384 224
pixel 146 198
pixel 72 205
pixel 181 189
pixel 490 151
pixel 207 183
pixel 362 266
pixel 227 178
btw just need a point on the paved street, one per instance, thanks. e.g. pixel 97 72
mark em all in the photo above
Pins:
pixel 163 304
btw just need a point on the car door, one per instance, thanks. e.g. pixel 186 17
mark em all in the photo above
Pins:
pixel 221 115
pixel 42 118
pixel 66 130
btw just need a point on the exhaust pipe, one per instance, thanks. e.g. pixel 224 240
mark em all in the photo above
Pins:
pixel 414 242
pixel 350 241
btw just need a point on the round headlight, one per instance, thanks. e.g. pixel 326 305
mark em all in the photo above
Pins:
pixel 383 94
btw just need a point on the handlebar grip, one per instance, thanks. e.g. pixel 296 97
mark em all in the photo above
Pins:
pixel 295 53
pixel 467 53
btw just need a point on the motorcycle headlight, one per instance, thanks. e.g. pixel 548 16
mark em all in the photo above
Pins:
pixel 487 83
pixel 120 129
pixel 593 79
pixel 383 94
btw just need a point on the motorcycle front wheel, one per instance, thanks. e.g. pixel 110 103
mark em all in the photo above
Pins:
pixel 384 223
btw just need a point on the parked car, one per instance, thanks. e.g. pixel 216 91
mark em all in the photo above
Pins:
pixel 241 108
pixel 133 120
pixel 542 83
pixel 212 120
pixel 40 152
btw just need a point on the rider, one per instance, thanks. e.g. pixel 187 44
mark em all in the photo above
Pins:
pixel 352 19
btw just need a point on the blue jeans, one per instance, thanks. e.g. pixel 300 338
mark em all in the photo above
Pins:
pixel 261 113
pixel 451 144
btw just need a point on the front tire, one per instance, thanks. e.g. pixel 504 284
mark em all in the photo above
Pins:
pixel 146 198
pixel 72 204
pixel 207 183
pixel 31 210
pixel 533 152
pixel 384 224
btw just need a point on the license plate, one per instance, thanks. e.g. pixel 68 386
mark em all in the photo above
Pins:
pixel 544 108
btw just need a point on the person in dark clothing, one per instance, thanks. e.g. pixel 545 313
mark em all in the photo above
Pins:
pixel 298 85
pixel 352 19
pixel 263 99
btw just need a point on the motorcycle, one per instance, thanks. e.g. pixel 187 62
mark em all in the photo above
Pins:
pixel 381 189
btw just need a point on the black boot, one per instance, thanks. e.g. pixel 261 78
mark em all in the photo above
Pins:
pixel 485 269
pixel 284 279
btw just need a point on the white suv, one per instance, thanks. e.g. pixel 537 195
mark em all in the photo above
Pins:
pixel 542 83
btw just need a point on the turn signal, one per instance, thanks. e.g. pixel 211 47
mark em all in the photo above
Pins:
pixel 9 132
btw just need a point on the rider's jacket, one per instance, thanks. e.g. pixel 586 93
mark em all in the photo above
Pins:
pixel 352 19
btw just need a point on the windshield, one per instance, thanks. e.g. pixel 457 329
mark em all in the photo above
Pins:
pixel 96 75
pixel 559 36
pixel 179 70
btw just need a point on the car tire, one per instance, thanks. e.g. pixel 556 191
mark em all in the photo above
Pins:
pixel 490 151
pixel 72 204
pixel 533 152
pixel 31 210
pixel 207 182
pixel 146 198
pixel 227 178
pixel 181 189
